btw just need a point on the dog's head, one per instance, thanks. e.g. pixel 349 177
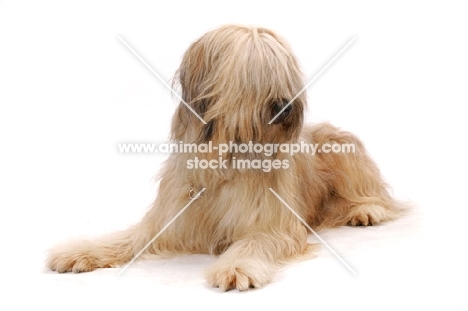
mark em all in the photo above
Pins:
pixel 238 79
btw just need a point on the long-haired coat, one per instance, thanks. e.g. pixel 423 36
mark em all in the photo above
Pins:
pixel 238 79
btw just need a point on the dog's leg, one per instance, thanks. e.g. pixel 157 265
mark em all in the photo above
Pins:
pixel 363 211
pixel 121 247
pixel 115 249
pixel 88 255
pixel 358 195
pixel 252 261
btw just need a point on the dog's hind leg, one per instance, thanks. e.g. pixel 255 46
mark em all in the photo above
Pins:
pixel 358 195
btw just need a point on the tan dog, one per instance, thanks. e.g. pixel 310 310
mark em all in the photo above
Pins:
pixel 237 79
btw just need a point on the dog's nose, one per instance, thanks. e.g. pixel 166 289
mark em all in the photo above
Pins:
pixel 278 107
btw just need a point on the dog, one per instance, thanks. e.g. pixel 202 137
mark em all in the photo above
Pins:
pixel 240 81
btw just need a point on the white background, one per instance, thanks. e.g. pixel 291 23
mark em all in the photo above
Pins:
pixel 70 91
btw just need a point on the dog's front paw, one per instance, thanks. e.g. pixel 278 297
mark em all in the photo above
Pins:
pixel 240 274
pixel 68 259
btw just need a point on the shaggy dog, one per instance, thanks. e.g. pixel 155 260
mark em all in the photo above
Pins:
pixel 238 79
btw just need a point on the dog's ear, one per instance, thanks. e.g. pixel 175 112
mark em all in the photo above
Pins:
pixel 200 107
pixel 207 132
pixel 186 122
